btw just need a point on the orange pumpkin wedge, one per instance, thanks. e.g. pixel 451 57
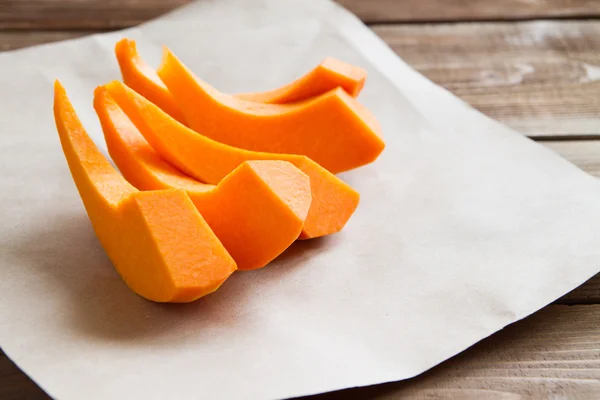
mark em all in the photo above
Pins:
pixel 333 129
pixel 333 201
pixel 158 242
pixel 257 211
pixel 328 75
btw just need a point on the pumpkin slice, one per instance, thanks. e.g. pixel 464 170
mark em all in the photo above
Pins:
pixel 328 75
pixel 333 201
pixel 257 211
pixel 158 242
pixel 333 129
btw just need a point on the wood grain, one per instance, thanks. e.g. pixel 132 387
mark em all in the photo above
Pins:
pixel 541 78
pixel 13 40
pixel 112 14
pixel 555 353
pixel 81 14
pixel 469 10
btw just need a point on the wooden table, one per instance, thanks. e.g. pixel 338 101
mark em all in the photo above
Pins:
pixel 533 64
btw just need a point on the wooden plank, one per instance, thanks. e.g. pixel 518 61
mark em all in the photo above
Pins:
pixel 81 14
pixel 112 14
pixel 469 10
pixel 555 353
pixel 18 39
pixel 541 78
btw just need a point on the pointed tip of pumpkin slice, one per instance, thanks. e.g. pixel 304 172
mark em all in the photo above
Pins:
pixel 60 96
pixel 112 85
pixel 124 49
pixel 125 43
pixel 100 91
pixel 166 59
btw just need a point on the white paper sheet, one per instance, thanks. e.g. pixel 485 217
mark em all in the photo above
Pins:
pixel 464 227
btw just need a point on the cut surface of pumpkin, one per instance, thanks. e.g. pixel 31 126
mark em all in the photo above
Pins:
pixel 158 242
pixel 257 211
pixel 333 201
pixel 332 129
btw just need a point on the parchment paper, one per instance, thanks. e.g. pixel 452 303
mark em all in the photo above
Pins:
pixel 464 227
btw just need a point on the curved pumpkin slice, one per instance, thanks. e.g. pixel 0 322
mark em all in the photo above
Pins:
pixel 158 242
pixel 328 75
pixel 333 129
pixel 257 211
pixel 333 201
